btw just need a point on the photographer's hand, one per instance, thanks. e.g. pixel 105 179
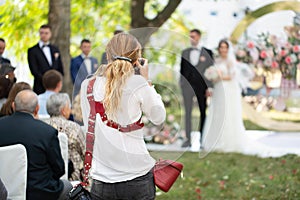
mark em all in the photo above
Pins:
pixel 143 68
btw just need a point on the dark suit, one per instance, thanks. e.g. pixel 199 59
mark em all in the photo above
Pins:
pixel 104 59
pixel 39 64
pixel 193 83
pixel 79 71
pixel 45 163
pixel 4 60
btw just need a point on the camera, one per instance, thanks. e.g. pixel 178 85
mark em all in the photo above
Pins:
pixel 136 68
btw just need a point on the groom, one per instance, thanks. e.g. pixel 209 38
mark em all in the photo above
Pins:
pixel 42 57
pixel 194 61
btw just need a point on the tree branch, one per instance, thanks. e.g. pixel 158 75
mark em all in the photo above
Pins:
pixel 165 14
pixel 137 13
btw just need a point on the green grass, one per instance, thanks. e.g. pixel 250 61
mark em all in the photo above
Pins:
pixel 235 177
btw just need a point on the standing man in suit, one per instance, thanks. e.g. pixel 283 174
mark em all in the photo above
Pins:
pixel 194 61
pixel 103 57
pixel 45 162
pixel 42 57
pixel 2 49
pixel 82 65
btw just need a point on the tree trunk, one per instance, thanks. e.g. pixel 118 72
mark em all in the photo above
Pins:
pixel 139 22
pixel 59 19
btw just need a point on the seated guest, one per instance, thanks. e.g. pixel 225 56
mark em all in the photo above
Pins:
pixel 52 81
pixel 45 163
pixel 5 86
pixel 8 71
pixel 16 88
pixel 76 110
pixel 59 108
pixel 2 49
pixel 3 191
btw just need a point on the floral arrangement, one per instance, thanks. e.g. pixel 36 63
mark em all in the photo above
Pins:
pixel 269 53
pixel 170 130
pixel 212 74
pixel 165 134
pixel 243 53
pixel 267 49
pixel 289 60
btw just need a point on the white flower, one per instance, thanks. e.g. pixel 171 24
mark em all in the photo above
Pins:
pixel 211 73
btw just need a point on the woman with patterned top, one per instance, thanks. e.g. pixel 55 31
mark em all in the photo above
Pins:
pixel 59 109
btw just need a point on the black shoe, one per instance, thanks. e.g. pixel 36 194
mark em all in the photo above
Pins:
pixel 186 144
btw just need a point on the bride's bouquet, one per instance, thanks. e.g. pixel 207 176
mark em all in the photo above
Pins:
pixel 212 74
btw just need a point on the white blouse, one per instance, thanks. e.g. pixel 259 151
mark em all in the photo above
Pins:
pixel 120 156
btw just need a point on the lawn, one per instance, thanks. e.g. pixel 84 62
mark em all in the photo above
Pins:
pixel 234 176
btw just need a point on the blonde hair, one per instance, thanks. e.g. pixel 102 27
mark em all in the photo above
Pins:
pixel 118 71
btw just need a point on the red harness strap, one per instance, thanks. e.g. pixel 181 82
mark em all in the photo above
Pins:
pixel 97 107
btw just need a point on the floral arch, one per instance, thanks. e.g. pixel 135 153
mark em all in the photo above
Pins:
pixel 249 111
pixel 252 16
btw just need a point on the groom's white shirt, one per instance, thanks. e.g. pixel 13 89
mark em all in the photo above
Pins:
pixel 195 54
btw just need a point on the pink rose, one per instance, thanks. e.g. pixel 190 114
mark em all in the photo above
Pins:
pixel 274 64
pixel 288 60
pixel 296 49
pixel 250 45
pixel 263 54
pixel 283 52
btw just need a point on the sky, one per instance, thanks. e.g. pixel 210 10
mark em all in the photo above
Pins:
pixel 218 19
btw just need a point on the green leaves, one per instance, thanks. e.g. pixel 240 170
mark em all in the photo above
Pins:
pixel 20 22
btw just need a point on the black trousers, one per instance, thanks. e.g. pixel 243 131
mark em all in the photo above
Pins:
pixel 188 93
pixel 140 188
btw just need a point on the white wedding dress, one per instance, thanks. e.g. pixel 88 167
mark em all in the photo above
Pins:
pixel 224 130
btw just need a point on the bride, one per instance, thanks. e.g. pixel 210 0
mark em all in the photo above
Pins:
pixel 224 130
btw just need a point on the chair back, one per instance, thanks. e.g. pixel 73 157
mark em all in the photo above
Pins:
pixel 63 143
pixel 13 170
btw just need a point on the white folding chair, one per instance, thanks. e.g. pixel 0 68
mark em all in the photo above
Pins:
pixel 13 170
pixel 63 143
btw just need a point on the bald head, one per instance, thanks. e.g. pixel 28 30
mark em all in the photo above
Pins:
pixel 27 101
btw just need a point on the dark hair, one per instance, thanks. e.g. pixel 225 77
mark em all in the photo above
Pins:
pixel 85 41
pixel 44 26
pixel 223 42
pixel 5 86
pixel 2 40
pixel 51 78
pixel 196 31
pixel 117 32
pixel 16 88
